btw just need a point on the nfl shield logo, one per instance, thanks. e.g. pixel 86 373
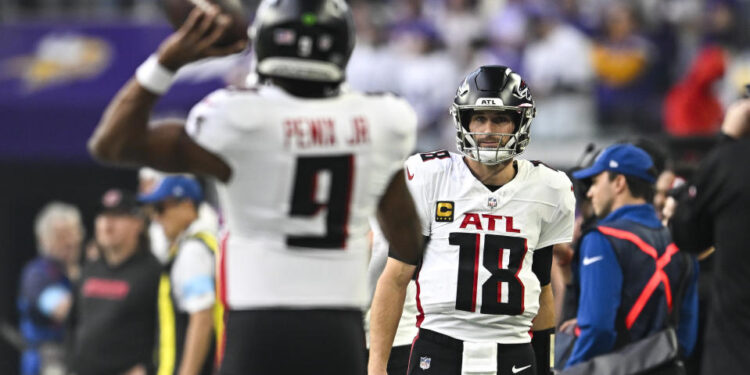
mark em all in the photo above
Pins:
pixel 492 202
pixel 424 362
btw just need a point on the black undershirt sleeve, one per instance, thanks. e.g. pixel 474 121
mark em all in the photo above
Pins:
pixel 392 254
pixel 542 264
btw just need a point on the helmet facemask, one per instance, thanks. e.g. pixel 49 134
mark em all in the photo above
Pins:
pixel 466 141
pixel 498 89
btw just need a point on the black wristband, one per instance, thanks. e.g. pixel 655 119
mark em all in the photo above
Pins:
pixel 541 344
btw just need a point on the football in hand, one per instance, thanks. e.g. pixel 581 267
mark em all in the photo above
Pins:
pixel 177 12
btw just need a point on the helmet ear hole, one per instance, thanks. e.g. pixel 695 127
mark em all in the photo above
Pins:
pixel 465 116
pixel 516 117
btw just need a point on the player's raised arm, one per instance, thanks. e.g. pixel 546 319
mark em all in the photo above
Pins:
pixel 123 135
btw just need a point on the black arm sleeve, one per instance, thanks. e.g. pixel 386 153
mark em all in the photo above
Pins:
pixel 392 254
pixel 542 265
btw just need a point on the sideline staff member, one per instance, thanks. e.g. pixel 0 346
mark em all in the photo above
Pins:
pixel 46 292
pixel 116 305
pixel 627 249
pixel 190 319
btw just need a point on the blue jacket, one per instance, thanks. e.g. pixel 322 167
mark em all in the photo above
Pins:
pixel 601 283
pixel 43 285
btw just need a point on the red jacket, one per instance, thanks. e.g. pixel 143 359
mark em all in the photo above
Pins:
pixel 691 108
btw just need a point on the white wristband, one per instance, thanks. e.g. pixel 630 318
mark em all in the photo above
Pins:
pixel 153 76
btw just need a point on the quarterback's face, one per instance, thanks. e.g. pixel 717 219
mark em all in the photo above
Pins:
pixel 491 122
pixel 602 194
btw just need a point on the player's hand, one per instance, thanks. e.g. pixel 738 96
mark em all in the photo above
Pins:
pixel 196 37
pixel 569 326
pixel 737 120
pixel 670 205
pixel 60 312
pixel 563 253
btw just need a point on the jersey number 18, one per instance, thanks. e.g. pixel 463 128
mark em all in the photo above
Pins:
pixel 502 293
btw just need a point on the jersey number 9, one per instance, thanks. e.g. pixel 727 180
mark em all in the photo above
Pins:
pixel 304 203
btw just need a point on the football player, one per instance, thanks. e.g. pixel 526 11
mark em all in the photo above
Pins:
pixel 301 165
pixel 492 221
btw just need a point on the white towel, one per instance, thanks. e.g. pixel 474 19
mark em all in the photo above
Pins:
pixel 479 358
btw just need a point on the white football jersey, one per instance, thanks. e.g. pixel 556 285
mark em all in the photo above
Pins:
pixel 306 175
pixel 476 282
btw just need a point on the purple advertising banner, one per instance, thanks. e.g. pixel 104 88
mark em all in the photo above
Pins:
pixel 56 80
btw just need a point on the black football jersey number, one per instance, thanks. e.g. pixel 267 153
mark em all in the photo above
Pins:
pixel 494 249
pixel 339 195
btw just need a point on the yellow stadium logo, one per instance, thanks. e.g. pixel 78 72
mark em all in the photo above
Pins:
pixel 59 58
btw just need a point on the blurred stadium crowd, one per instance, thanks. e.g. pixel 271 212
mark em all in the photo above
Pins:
pixel 589 61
